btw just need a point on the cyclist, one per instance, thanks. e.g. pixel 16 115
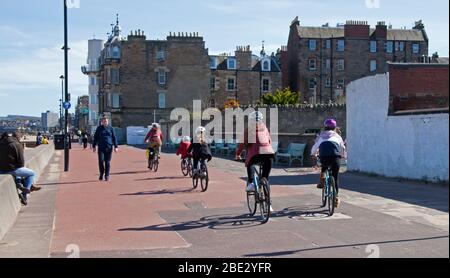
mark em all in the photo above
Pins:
pixel 199 148
pixel 155 139
pixel 184 146
pixel 259 152
pixel 331 149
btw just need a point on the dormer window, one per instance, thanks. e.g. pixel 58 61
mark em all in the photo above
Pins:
pixel 231 63
pixel 213 63
pixel 266 65
pixel 116 52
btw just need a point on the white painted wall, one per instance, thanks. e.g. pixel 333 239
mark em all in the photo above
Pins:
pixel 415 147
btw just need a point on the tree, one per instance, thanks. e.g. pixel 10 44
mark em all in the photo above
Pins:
pixel 232 103
pixel 281 97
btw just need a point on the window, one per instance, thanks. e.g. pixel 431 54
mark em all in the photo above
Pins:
pixel 116 52
pixel 108 76
pixel 266 65
pixel 115 101
pixel 93 81
pixel 161 55
pixel 162 77
pixel 341 64
pixel 390 47
pixel 162 100
pixel 312 45
pixel 341 83
pixel 328 44
pixel 93 99
pixel 312 64
pixel 328 83
pixel 212 83
pixel 415 48
pixel 328 64
pixel 312 83
pixel 231 63
pixel 266 85
pixel 231 84
pixel 115 78
pixel 400 46
pixel 213 63
pixel 341 45
pixel 373 46
pixel 373 65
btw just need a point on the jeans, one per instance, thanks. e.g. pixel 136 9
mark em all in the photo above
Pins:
pixel 335 164
pixel 104 161
pixel 24 173
pixel 266 161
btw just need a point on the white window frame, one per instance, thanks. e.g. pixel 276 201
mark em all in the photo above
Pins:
pixel 340 46
pixel 113 80
pixel 263 63
pixel 311 43
pixel 373 65
pixel 116 52
pixel 373 46
pixel 341 65
pixel 162 77
pixel 228 84
pixel 115 101
pixel 229 60
pixel 312 64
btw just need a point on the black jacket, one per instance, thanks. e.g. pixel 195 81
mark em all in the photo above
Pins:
pixel 105 138
pixel 200 150
pixel 11 154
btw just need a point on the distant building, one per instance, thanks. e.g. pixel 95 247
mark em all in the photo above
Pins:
pixel 321 61
pixel 243 77
pixel 92 70
pixel 49 121
pixel 82 114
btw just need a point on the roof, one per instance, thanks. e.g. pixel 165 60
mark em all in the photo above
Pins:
pixel 257 67
pixel 339 32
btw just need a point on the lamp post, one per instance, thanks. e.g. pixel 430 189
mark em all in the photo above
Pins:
pixel 66 74
pixel 61 105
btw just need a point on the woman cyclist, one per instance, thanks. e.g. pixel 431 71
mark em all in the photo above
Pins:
pixel 331 149
pixel 155 139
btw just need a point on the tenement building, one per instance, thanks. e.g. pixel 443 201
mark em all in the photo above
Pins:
pixel 321 61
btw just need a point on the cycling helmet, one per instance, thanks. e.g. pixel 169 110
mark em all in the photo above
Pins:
pixel 256 116
pixel 330 123
pixel 187 139
pixel 200 130
pixel 155 126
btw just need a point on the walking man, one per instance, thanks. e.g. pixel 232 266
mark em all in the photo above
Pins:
pixel 105 139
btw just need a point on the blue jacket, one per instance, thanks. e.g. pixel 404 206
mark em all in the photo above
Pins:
pixel 105 138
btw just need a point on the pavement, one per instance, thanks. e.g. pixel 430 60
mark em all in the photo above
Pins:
pixel 139 213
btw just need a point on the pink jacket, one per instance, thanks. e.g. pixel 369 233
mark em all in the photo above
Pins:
pixel 263 144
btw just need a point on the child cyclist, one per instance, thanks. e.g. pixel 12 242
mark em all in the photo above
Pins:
pixel 199 148
pixel 184 146
pixel 155 138
pixel 330 148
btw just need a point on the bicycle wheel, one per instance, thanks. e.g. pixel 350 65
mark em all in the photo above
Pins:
pixel 190 169
pixel 264 200
pixel 252 204
pixel 150 164
pixel 331 196
pixel 324 196
pixel 184 168
pixel 205 179
pixel 195 181
pixel 156 165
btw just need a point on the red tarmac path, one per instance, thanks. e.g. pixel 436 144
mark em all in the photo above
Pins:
pixel 91 214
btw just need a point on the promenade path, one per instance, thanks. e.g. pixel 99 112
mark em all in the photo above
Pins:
pixel 144 214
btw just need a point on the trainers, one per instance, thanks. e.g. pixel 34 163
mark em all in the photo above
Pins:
pixel 271 209
pixel 106 178
pixel 251 187
pixel 35 188
pixel 100 178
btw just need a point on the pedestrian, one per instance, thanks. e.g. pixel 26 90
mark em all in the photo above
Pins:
pixel 12 162
pixel 39 139
pixel 85 141
pixel 106 140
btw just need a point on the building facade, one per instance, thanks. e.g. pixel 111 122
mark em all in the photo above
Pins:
pixel 49 121
pixel 243 77
pixel 91 70
pixel 321 61
pixel 82 122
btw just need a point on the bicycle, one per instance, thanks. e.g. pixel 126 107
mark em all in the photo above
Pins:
pixel 261 195
pixel 329 190
pixel 153 160
pixel 186 167
pixel 201 175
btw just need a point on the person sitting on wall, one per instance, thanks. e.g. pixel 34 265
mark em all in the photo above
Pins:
pixel 12 162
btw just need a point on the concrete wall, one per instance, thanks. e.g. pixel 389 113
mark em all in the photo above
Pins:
pixel 36 159
pixel 414 147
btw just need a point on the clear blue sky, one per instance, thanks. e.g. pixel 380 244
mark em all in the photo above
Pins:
pixel 32 33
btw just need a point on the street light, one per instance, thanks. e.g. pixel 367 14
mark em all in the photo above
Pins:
pixel 66 75
pixel 61 104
